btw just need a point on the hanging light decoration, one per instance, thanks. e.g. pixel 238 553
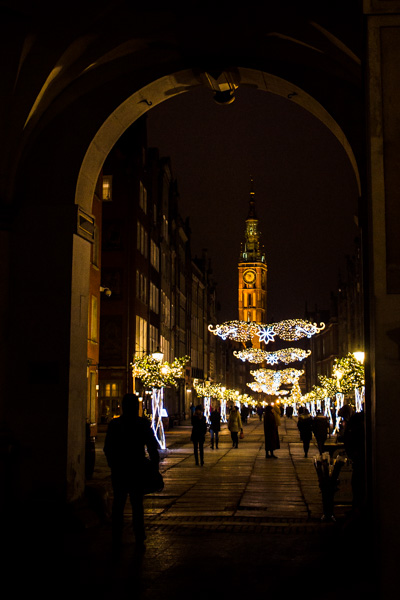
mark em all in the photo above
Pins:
pixel 258 356
pixel 270 390
pixel 244 331
pixel 281 377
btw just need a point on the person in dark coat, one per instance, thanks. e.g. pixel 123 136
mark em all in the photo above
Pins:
pixel 320 430
pixel 215 427
pixel 124 446
pixel 199 430
pixel 304 425
pixel 271 435
pixel 244 413
pixel 289 412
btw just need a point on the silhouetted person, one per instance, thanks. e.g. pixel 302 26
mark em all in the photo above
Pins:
pixel 271 435
pixel 215 427
pixel 126 439
pixel 244 413
pixel 199 430
pixel 320 430
pixel 289 412
pixel 260 411
pixel 235 425
pixel 305 425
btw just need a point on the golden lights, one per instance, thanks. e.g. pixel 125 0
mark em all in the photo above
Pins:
pixel 289 330
pixel 258 356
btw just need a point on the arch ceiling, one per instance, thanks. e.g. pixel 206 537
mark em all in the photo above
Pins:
pixel 97 66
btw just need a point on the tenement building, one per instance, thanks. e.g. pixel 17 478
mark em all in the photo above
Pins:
pixel 157 296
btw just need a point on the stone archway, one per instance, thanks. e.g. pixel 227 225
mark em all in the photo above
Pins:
pixel 169 86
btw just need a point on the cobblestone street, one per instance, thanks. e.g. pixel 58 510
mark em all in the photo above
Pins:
pixel 239 524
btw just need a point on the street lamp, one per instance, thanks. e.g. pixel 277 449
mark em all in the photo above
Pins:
pixel 359 356
pixel 359 393
pixel 158 355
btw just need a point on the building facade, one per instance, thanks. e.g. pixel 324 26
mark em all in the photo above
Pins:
pixel 159 297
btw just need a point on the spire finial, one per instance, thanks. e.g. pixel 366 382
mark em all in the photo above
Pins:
pixel 252 204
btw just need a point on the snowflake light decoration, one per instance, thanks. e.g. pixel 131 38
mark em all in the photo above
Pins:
pixel 258 356
pixel 244 331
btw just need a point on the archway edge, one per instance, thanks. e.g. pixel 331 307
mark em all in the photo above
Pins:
pixel 172 85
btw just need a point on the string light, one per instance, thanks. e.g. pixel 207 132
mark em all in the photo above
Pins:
pixel 281 377
pixel 244 331
pixel 258 356
pixel 156 374
pixel 270 390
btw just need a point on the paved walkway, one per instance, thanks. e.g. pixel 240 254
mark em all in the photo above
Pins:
pixel 241 524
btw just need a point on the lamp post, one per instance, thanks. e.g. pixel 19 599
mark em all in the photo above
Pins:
pixel 359 392
pixel 156 375
pixel 157 404
pixel 339 397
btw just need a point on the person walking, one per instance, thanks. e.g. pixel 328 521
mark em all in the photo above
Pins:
pixel 124 447
pixel 305 427
pixel 199 430
pixel 215 427
pixel 244 413
pixel 235 426
pixel 271 435
pixel 320 430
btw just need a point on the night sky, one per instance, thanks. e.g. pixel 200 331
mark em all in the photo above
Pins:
pixel 305 191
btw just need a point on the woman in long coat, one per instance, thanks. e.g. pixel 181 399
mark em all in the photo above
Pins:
pixel 235 425
pixel 271 435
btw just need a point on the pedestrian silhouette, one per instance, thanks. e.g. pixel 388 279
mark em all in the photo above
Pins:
pixel 320 430
pixel 271 435
pixel 235 426
pixel 215 427
pixel 126 440
pixel 199 430
pixel 305 425
pixel 244 413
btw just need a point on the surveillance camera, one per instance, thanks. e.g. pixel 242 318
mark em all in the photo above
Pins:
pixel 107 291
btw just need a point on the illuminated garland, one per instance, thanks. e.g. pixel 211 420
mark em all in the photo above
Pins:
pixel 239 331
pixel 258 356
pixel 156 374
pixel 244 331
pixel 350 373
pixel 266 389
pixel 207 390
pixel 284 376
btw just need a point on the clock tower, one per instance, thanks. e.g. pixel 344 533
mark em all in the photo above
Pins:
pixel 252 271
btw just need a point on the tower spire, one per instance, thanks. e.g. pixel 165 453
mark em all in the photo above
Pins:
pixel 252 269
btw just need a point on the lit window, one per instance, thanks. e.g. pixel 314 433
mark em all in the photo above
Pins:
pixel 107 188
pixel 143 197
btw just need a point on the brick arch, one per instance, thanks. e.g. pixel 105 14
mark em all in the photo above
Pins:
pixel 169 86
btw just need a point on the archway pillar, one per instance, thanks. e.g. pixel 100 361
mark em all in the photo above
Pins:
pixel 383 123
pixel 44 407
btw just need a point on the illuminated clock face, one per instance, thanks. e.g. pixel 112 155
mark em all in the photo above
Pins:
pixel 249 276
